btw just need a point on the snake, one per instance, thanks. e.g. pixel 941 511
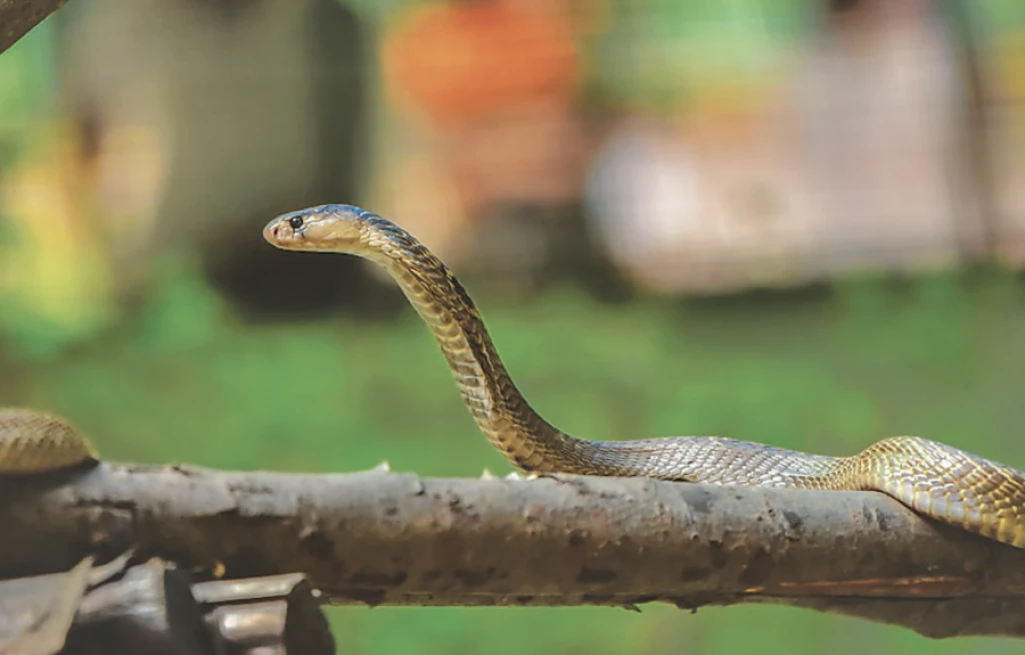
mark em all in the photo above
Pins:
pixel 935 480
pixel 34 442
pixel 938 481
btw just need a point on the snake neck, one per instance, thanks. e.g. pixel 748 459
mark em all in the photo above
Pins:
pixel 496 404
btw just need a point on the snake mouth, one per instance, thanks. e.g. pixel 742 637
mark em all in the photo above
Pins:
pixel 280 234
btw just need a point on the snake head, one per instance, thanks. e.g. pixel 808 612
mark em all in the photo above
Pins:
pixel 326 228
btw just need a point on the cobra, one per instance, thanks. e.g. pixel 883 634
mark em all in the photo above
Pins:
pixel 936 480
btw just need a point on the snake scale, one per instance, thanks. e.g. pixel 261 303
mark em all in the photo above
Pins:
pixel 938 481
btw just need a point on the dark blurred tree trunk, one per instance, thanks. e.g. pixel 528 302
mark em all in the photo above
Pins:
pixel 242 109
pixel 980 196
pixel 264 283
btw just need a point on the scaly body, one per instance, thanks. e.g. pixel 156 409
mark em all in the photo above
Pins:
pixel 34 442
pixel 934 479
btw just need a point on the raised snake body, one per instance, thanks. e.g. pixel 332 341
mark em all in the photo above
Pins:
pixel 936 480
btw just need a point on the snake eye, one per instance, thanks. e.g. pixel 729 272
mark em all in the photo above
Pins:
pixel 296 222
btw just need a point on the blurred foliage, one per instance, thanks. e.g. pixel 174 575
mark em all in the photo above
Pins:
pixel 21 68
pixel 732 51
pixel 55 280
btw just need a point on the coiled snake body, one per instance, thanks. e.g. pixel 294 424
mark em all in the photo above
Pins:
pixel 936 480
pixel 33 442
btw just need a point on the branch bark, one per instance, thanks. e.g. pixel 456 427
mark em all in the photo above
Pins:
pixel 18 17
pixel 383 538
pixel 153 608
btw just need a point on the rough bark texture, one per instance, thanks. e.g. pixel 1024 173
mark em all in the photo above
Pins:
pixel 17 17
pixel 36 612
pixel 148 610
pixel 153 608
pixel 383 538
pixel 279 613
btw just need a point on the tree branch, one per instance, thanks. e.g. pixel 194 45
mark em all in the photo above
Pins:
pixel 18 17
pixel 382 538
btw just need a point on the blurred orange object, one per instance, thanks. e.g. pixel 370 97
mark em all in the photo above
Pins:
pixel 459 61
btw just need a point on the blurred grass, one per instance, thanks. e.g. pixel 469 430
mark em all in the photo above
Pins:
pixel 939 356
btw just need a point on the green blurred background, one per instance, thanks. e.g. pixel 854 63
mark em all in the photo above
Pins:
pixel 667 213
